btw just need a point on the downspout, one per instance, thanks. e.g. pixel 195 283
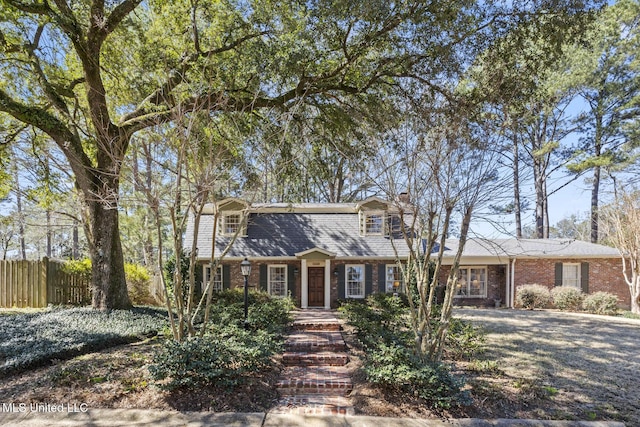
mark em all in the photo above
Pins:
pixel 512 292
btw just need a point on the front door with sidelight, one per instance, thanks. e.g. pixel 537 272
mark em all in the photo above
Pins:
pixel 316 286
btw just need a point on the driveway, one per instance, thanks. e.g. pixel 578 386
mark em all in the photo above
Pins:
pixel 590 365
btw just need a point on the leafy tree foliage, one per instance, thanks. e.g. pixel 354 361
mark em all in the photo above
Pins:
pixel 606 74
pixel 90 74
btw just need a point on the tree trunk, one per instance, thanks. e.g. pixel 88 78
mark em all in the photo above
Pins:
pixel 516 187
pixel 108 279
pixel 594 203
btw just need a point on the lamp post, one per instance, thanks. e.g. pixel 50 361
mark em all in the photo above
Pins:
pixel 245 268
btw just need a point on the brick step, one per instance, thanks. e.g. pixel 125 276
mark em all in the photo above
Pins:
pixel 314 404
pixel 303 358
pixel 315 341
pixel 325 380
pixel 316 326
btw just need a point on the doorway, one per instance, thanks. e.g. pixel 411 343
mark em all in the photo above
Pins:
pixel 316 286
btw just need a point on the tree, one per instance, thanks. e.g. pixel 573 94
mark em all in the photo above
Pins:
pixel 573 227
pixel 621 223
pixel 607 76
pixel 447 167
pixel 528 97
pixel 77 59
pixel 68 70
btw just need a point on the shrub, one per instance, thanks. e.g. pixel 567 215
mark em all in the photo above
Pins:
pixel 222 357
pixel 464 341
pixel 533 296
pixel 381 323
pixel 265 312
pixel 379 318
pixel 396 368
pixel 567 298
pixel 81 267
pixel 601 303
pixel 138 280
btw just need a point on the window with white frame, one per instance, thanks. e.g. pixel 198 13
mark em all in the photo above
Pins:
pixel 394 282
pixel 231 223
pixel 372 223
pixel 472 282
pixel 571 275
pixel 354 281
pixel 277 280
pixel 217 278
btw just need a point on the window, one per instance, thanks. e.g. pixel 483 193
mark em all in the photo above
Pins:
pixel 571 275
pixel 354 281
pixel 277 280
pixel 373 223
pixel 217 279
pixel 231 223
pixel 472 282
pixel 394 282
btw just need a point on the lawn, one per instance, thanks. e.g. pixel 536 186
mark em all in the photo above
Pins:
pixel 555 365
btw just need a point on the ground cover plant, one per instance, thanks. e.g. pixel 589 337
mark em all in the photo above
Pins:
pixel 32 339
pixel 390 361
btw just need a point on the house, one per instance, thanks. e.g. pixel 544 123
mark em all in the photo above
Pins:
pixel 322 252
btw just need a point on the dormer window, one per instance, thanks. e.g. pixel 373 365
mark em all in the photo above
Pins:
pixel 231 224
pixel 373 223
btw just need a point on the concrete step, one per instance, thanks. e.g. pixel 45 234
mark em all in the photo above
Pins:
pixel 315 341
pixel 304 358
pixel 311 380
pixel 313 404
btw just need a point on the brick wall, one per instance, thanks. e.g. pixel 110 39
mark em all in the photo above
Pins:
pixel 605 274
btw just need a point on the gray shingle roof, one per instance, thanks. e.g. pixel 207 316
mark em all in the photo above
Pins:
pixel 531 248
pixel 284 234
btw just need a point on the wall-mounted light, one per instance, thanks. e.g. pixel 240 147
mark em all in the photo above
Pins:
pixel 336 272
pixel 295 271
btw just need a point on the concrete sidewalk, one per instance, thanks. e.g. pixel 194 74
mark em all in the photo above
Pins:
pixel 137 417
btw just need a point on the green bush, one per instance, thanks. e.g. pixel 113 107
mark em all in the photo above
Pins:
pixel 81 267
pixel 138 281
pixel 265 312
pixel 223 357
pixel 29 340
pixel 381 323
pixel 397 368
pixel 533 296
pixel 379 318
pixel 464 341
pixel 227 353
pixel 567 298
pixel 601 303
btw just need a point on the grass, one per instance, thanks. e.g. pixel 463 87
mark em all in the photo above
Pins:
pixel 35 338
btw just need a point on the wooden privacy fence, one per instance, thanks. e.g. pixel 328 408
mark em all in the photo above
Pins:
pixel 39 283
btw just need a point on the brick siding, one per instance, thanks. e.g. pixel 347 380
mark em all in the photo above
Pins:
pixel 605 274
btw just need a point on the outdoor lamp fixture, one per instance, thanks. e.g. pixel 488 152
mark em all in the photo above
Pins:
pixel 335 272
pixel 245 269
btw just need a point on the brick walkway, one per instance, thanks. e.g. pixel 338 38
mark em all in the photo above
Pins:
pixel 315 380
